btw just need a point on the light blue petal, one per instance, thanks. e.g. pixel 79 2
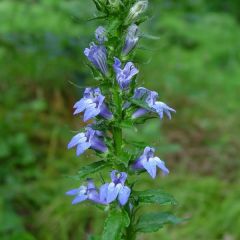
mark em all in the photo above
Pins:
pixel 123 195
pixel 103 192
pixel 130 70
pixel 140 112
pixel 79 198
pixel 123 177
pixel 113 175
pixel 90 113
pixel 86 52
pixel 117 65
pixel 161 108
pixel 93 195
pixel 161 165
pixel 80 137
pixel 90 184
pixel 113 191
pixel 150 166
pixel 81 105
pixel 73 192
pixel 82 147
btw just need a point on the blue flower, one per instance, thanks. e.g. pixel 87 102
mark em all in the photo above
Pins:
pixel 150 163
pixel 90 139
pixel 100 35
pixel 125 75
pixel 131 39
pixel 92 104
pixel 109 192
pixel 150 97
pixel 84 193
pixel 97 55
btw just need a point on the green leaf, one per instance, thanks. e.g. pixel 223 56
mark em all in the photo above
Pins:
pixel 154 196
pixel 91 168
pixel 115 224
pixel 152 222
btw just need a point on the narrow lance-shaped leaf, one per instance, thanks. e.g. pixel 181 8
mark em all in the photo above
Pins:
pixel 91 168
pixel 154 196
pixel 152 222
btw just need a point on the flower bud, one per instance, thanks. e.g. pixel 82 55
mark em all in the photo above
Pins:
pixel 101 35
pixel 131 39
pixel 136 10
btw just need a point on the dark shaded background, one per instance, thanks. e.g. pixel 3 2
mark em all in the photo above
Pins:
pixel 189 53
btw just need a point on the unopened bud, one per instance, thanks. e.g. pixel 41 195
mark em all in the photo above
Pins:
pixel 101 34
pixel 137 9
pixel 131 39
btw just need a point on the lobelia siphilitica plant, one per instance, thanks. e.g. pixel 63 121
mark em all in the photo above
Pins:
pixel 116 103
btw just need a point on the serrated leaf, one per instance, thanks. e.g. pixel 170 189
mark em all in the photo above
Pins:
pixel 91 168
pixel 115 224
pixel 152 222
pixel 154 196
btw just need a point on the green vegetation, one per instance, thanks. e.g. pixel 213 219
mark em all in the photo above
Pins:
pixel 194 64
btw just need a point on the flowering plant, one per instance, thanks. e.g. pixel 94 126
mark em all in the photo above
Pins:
pixel 116 104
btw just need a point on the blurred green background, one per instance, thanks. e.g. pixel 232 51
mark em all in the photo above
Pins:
pixel 193 62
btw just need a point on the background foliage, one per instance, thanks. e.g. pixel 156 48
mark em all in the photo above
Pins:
pixel 189 52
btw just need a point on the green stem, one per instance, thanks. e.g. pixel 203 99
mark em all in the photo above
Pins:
pixel 117 131
pixel 117 136
pixel 130 231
